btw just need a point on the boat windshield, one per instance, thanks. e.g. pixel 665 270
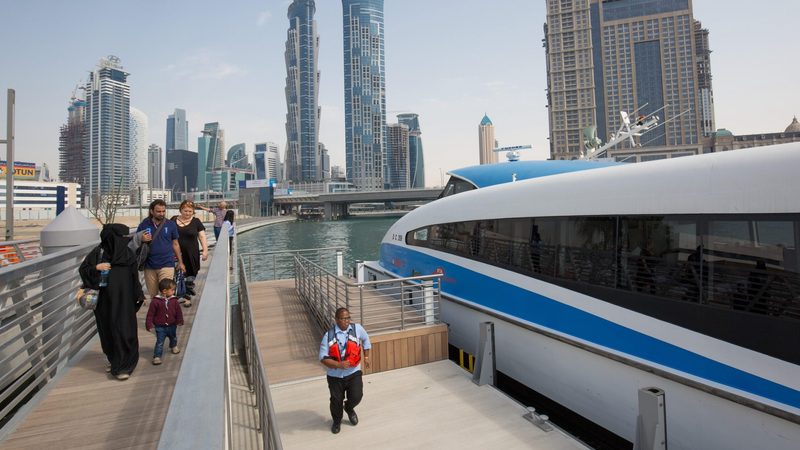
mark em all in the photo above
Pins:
pixel 456 186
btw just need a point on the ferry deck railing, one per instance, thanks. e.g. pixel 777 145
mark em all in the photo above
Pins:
pixel 41 326
pixel 379 305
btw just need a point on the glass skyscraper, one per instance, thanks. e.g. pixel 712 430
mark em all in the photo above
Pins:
pixel 397 157
pixel 364 93
pixel 210 158
pixel 637 56
pixel 416 159
pixel 107 152
pixel 154 177
pixel 139 137
pixel 302 94
pixel 177 131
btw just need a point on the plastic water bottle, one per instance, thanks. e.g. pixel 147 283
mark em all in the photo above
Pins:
pixel 104 277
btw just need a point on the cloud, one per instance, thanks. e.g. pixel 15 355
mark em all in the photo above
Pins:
pixel 263 18
pixel 204 64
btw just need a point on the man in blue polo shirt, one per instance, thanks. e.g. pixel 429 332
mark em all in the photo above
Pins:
pixel 340 353
pixel 164 248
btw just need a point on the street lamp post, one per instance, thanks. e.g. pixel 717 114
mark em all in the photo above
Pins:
pixel 9 141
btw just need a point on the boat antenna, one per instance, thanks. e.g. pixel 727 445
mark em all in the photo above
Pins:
pixel 513 152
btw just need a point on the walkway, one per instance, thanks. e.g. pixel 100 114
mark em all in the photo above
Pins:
pixel 424 406
pixel 89 409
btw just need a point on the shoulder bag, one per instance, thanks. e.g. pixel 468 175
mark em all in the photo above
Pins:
pixel 143 252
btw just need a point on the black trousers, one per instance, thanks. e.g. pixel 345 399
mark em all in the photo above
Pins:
pixel 352 387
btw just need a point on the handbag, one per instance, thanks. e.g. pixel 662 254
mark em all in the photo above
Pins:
pixel 143 252
pixel 87 298
pixel 180 283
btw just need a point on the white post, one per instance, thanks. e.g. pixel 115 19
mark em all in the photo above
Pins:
pixel 339 263
pixel 427 294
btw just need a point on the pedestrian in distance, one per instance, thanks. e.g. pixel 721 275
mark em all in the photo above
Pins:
pixel 340 353
pixel 111 269
pixel 231 233
pixel 165 315
pixel 162 236
pixel 219 215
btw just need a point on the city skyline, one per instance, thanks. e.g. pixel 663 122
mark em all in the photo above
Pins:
pixel 238 79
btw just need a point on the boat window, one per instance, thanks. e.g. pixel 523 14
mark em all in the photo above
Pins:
pixel 735 263
pixel 456 186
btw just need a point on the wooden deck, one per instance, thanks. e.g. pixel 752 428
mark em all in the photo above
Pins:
pixel 427 405
pixel 90 409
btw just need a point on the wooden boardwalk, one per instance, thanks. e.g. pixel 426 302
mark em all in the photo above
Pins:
pixel 433 405
pixel 90 409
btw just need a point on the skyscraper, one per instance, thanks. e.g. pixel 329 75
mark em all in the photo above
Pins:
pixel 705 93
pixel 210 159
pixel 267 162
pixel 107 152
pixel 397 157
pixel 416 159
pixel 364 93
pixel 154 171
pixel 486 141
pixel 138 142
pixel 177 131
pixel 637 56
pixel 302 93
pixel 70 143
pixel 237 157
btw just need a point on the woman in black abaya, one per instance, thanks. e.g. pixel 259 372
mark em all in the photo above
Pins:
pixel 118 302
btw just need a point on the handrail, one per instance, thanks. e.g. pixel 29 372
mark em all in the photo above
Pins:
pixel 380 305
pixel 257 375
pixel 201 399
pixel 41 324
pixel 280 263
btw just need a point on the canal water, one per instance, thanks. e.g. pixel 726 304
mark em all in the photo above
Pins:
pixel 361 237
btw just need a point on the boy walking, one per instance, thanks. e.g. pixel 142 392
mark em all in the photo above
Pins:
pixel 165 315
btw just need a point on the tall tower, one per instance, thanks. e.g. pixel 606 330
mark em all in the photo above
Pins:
pixel 107 152
pixel 210 151
pixel 486 141
pixel 636 56
pixel 397 157
pixel 416 159
pixel 177 131
pixel 139 134
pixel 70 143
pixel 154 170
pixel 705 92
pixel 302 93
pixel 364 93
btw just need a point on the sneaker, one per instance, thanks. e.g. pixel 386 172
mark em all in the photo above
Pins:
pixel 175 350
pixel 123 376
pixel 108 367
pixel 335 428
pixel 190 291
pixel 187 303
pixel 156 360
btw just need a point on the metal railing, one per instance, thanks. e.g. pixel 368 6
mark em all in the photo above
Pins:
pixel 279 265
pixel 15 252
pixel 256 373
pixel 379 305
pixel 41 325
pixel 201 399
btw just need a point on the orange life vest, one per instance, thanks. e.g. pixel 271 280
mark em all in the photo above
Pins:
pixel 352 348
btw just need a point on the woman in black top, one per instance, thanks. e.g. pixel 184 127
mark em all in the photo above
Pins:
pixel 190 231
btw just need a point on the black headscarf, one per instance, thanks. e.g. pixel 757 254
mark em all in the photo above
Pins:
pixel 114 242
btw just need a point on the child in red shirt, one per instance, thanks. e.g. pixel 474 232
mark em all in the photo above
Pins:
pixel 165 315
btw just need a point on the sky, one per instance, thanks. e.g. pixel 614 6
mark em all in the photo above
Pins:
pixel 450 61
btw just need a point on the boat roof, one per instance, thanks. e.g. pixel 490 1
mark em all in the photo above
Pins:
pixel 491 174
